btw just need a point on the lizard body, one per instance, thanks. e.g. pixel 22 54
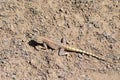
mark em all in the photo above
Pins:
pixel 54 45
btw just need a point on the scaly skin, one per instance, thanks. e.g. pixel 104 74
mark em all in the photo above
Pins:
pixel 55 45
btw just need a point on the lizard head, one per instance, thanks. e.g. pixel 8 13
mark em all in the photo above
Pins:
pixel 38 39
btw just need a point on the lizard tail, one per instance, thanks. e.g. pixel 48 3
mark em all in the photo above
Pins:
pixel 84 52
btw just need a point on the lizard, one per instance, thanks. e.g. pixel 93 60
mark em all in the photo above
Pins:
pixel 53 45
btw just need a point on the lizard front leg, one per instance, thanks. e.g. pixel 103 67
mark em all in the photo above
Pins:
pixel 45 46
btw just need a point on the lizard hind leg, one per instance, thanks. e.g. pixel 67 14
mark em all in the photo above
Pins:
pixel 62 52
pixel 64 40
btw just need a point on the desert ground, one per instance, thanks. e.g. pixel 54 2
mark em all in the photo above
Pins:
pixel 89 25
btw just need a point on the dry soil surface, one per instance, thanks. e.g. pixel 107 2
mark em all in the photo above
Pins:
pixel 90 25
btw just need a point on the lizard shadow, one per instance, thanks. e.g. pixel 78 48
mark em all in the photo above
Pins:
pixel 33 43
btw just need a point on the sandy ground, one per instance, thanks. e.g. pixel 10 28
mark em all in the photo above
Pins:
pixel 90 25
